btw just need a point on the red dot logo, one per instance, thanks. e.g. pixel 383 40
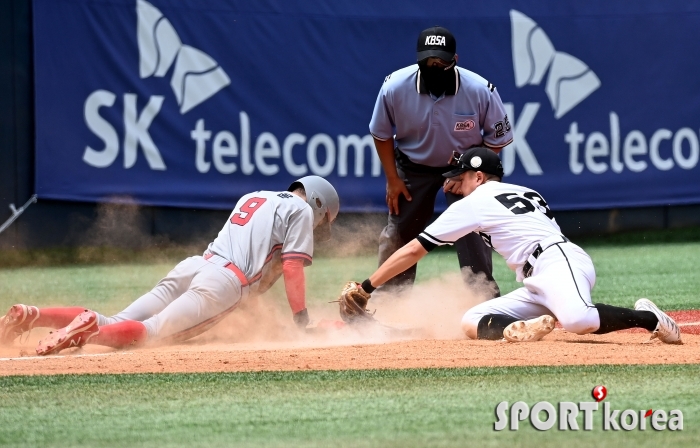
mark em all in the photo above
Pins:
pixel 599 393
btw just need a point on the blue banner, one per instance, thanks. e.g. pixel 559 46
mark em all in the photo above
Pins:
pixel 194 103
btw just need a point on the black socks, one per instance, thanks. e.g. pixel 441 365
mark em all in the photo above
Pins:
pixel 491 326
pixel 614 318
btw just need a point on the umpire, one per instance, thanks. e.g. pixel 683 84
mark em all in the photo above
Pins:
pixel 426 114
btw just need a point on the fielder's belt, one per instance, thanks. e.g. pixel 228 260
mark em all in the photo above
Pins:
pixel 545 244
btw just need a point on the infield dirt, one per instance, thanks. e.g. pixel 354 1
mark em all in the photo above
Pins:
pixel 350 349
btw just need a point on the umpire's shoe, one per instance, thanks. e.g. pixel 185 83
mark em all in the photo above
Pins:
pixel 18 320
pixel 76 334
pixel 666 330
pixel 529 330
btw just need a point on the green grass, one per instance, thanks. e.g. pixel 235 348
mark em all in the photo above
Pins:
pixel 416 407
pixel 424 407
pixel 665 272
pixel 107 289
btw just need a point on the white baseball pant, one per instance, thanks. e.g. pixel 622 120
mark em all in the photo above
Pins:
pixel 560 285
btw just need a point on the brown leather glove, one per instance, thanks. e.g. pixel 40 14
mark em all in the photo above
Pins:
pixel 353 304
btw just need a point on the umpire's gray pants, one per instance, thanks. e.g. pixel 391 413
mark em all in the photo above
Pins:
pixel 413 218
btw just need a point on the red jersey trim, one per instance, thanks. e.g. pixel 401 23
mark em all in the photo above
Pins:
pixel 297 255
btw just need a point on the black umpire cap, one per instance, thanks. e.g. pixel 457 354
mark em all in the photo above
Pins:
pixel 478 158
pixel 436 42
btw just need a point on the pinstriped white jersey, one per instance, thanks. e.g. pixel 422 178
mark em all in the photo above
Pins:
pixel 263 229
pixel 510 218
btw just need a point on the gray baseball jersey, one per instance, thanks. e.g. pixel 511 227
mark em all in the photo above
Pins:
pixel 265 228
pixel 428 129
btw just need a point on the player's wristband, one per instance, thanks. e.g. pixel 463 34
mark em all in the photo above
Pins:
pixel 367 286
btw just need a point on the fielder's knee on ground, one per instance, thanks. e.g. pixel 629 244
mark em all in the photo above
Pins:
pixel 516 305
pixel 583 321
pixel 470 323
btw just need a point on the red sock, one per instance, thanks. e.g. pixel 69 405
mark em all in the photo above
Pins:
pixel 57 317
pixel 121 335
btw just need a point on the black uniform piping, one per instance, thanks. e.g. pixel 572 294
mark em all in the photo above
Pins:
pixel 572 276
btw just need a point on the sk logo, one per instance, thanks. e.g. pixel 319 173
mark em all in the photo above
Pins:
pixel 196 76
pixel 569 82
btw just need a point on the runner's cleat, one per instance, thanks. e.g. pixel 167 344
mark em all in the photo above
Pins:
pixel 76 334
pixel 18 320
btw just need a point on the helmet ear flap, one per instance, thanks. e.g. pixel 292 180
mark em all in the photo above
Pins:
pixel 317 203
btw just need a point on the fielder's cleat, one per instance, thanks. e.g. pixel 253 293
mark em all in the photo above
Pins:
pixel 529 330
pixel 18 320
pixel 76 334
pixel 666 330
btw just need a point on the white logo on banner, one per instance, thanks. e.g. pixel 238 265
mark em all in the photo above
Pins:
pixel 570 81
pixel 196 76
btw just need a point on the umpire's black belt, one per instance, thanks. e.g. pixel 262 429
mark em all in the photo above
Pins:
pixel 545 244
pixel 407 164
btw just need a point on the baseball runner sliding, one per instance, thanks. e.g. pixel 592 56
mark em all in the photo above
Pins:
pixel 516 222
pixel 269 234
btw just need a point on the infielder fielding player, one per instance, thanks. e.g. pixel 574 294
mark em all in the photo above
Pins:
pixel 557 274
pixel 423 113
pixel 268 234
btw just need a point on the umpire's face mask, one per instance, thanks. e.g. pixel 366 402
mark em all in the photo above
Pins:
pixel 437 77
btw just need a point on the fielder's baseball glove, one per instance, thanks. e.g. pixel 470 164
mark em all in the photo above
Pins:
pixel 353 304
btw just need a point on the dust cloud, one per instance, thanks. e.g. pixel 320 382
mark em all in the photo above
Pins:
pixel 351 235
pixel 430 310
pixel 122 230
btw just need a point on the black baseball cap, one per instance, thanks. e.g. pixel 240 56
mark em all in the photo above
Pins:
pixel 478 158
pixel 436 42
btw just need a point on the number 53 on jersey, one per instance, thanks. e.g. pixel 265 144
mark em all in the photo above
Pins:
pixel 524 204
